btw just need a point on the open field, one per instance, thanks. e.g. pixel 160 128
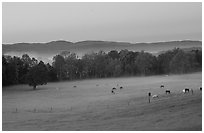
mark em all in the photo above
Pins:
pixel 91 106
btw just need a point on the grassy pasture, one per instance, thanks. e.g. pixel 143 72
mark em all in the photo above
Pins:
pixel 91 106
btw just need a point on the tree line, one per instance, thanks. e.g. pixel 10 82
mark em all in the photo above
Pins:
pixel 67 66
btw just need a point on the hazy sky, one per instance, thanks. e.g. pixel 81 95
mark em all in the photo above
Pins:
pixel 127 22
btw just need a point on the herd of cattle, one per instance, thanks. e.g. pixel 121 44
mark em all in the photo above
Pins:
pixel 114 89
pixel 186 90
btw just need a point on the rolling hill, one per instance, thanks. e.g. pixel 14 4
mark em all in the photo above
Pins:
pixel 46 51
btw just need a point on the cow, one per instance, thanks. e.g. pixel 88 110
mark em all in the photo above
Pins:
pixel 155 96
pixel 113 88
pixel 186 90
pixel 112 91
pixel 168 91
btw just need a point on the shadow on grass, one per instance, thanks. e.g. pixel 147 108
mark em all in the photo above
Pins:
pixel 22 88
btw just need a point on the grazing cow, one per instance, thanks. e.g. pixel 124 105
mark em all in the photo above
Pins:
pixel 200 88
pixel 186 90
pixel 74 86
pixel 168 91
pixel 113 92
pixel 162 86
pixel 155 96
pixel 121 87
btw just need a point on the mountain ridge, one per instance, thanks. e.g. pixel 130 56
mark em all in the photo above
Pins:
pixel 53 48
pixel 67 44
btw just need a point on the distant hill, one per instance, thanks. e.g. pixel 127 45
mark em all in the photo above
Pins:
pixel 46 51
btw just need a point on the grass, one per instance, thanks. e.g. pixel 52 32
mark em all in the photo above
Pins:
pixel 91 106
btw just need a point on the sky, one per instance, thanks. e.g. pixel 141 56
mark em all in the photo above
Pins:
pixel 112 21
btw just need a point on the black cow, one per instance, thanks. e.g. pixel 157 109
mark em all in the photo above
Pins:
pixel 162 86
pixel 112 91
pixel 168 91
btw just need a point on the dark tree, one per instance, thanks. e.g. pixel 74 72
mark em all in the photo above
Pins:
pixel 123 59
pixel 27 60
pixel 37 75
pixel 146 63
pixel 79 65
pixel 113 68
pixel 164 60
pixel 113 54
pixel 180 63
pixel 12 70
pixel 89 69
pixel 67 65
pixel 27 63
pixel 100 64
pixel 4 71
pixel 198 57
pixel 59 65
pixel 52 73
pixel 71 65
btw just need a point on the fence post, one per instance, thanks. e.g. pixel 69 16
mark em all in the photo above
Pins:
pixel 149 94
